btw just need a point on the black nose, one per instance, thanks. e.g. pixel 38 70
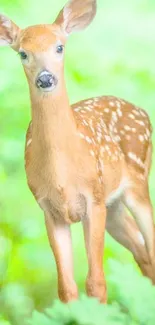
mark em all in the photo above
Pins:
pixel 45 80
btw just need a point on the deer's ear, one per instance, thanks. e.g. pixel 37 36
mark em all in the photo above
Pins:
pixel 8 31
pixel 76 15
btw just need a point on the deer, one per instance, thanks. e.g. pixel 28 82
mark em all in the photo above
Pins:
pixel 87 162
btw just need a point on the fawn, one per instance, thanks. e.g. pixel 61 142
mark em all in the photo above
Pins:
pixel 86 162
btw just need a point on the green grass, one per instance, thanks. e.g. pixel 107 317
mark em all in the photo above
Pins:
pixel 115 55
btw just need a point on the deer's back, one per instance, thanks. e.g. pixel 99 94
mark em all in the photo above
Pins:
pixel 118 128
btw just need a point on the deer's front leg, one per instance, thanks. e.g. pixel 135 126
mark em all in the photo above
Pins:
pixel 60 240
pixel 94 228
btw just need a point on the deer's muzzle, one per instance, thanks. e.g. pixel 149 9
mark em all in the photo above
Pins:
pixel 46 81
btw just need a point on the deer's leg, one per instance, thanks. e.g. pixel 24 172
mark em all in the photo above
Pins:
pixel 60 240
pixel 94 228
pixel 123 228
pixel 138 202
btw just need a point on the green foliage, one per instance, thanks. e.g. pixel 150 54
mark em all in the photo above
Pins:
pixel 86 311
pixel 135 304
pixel 131 302
pixel 115 55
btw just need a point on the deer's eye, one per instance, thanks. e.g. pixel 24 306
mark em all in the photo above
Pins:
pixel 23 55
pixel 59 48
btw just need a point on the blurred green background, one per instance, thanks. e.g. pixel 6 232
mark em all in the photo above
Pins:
pixel 114 56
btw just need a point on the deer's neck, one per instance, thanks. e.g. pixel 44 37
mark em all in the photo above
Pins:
pixel 53 123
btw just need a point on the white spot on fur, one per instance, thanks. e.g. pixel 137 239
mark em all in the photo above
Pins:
pixel 132 116
pixel 29 142
pixel 133 130
pixel 117 138
pixel 107 138
pixel 118 104
pixel 82 136
pixel 143 113
pixel 88 108
pixel 136 159
pixel 127 127
pixel 145 136
pixel 114 117
pixel 107 148
pixel 140 122
pixel 92 129
pixel 88 139
pixel 135 112
pixel 141 138
pixel 140 238
pixel 92 153
pixel 90 101
pixel 112 104
pixel 77 109
pixel 119 112
pixel 85 122
pixel 106 110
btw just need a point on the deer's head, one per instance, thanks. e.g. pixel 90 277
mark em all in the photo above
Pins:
pixel 41 47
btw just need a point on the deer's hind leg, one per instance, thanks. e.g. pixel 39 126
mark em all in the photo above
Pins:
pixel 137 200
pixel 123 228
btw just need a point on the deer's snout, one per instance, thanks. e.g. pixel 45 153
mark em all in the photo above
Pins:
pixel 46 81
